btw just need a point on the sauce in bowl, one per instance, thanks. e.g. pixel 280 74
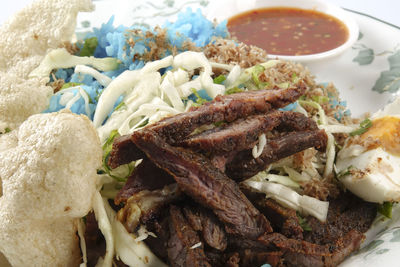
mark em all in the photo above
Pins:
pixel 289 31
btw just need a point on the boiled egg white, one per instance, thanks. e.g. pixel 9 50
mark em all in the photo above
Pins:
pixel 369 164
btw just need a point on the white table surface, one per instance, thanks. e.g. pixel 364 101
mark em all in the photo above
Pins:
pixel 387 10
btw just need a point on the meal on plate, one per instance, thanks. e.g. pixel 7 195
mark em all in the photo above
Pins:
pixel 178 146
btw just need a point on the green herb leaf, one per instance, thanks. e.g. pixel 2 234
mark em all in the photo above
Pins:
pixel 345 172
pixel 6 130
pixel 255 74
pixel 220 79
pixel 107 147
pixel 233 90
pixel 303 223
pixel 295 79
pixel 219 123
pixel 120 105
pixel 320 99
pixel 70 84
pixel 386 209
pixel 364 125
pixel 199 100
pixel 146 121
pixel 89 47
pixel 284 85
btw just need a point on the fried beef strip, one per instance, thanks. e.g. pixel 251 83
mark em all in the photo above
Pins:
pixel 145 206
pixel 226 108
pixel 160 227
pixel 283 220
pixel 145 176
pixel 244 165
pixel 203 182
pixel 247 238
pixel 223 108
pixel 94 239
pixel 205 221
pixel 250 258
pixel 347 212
pixel 123 151
pixel 303 253
pixel 182 245
pixel 243 133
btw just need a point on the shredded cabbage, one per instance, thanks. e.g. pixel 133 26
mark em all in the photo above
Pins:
pixel 296 176
pixel 258 148
pixel 60 58
pixel 105 228
pixel 82 243
pixel 101 78
pixel 339 128
pixel 330 146
pixel 129 251
pixel 289 198
pixel 247 74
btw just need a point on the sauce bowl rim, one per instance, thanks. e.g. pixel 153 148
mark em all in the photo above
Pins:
pixel 236 7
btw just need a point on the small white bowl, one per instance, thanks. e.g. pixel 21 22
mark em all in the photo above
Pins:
pixel 224 9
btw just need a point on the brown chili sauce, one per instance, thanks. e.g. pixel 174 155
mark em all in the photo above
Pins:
pixel 288 31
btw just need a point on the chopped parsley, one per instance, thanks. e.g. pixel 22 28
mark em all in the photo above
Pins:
pixel 220 79
pixel 255 75
pixel 107 147
pixel 320 99
pixel 295 79
pixel 120 105
pixel 386 209
pixel 199 100
pixel 233 90
pixel 6 130
pixel 303 223
pixel 89 47
pixel 70 84
pixel 364 125
pixel 345 172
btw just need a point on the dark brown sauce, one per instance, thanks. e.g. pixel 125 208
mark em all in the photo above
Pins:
pixel 288 31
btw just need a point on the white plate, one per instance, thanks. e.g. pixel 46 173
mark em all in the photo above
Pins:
pixel 367 76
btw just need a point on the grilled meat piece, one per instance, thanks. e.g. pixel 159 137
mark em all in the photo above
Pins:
pixel 123 151
pixel 94 239
pixel 236 233
pixel 283 220
pixel 205 221
pixel 346 212
pixel 303 253
pixel 145 176
pixel 146 205
pixel 250 258
pixel 182 245
pixel 159 226
pixel 226 108
pixel 244 165
pixel 223 108
pixel 243 133
pixel 203 182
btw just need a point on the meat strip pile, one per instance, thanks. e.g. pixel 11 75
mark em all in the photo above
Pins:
pixel 186 192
